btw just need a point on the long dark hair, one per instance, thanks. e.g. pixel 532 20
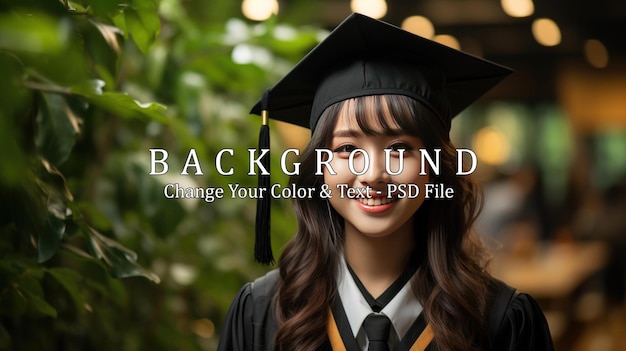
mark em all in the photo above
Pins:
pixel 450 282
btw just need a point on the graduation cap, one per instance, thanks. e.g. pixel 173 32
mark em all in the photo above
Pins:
pixel 360 57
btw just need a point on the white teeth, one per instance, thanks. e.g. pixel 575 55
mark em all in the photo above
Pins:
pixel 376 201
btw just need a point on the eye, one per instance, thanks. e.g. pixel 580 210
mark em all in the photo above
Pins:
pixel 346 148
pixel 396 147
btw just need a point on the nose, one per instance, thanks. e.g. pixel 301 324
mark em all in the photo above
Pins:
pixel 376 173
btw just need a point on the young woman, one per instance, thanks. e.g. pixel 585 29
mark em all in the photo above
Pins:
pixel 371 268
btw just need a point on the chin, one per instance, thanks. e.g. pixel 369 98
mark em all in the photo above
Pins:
pixel 373 232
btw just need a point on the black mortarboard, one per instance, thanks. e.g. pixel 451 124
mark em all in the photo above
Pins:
pixel 363 56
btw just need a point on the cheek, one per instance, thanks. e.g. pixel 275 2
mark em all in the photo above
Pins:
pixel 342 176
pixel 342 170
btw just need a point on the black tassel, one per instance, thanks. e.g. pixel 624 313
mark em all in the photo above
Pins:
pixel 263 244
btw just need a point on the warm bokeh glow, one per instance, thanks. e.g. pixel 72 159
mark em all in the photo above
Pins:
pixel 203 328
pixel 596 53
pixel 447 40
pixel 546 32
pixel 419 25
pixel 518 8
pixel 371 8
pixel 259 10
pixel 491 146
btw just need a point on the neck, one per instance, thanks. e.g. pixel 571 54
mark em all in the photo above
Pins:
pixel 379 261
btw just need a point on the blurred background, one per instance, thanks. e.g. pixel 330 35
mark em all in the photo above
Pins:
pixel 94 257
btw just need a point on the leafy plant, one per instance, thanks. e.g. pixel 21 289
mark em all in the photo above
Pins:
pixel 88 88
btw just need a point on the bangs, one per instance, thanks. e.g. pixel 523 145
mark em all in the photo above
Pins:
pixel 385 114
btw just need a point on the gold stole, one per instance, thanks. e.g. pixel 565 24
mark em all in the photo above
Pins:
pixel 337 344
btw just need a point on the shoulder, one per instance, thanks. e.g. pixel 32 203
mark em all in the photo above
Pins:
pixel 254 298
pixel 264 287
pixel 248 318
pixel 516 321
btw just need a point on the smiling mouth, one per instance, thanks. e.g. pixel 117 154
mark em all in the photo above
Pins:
pixel 376 201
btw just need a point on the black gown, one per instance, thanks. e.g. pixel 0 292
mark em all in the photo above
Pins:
pixel 250 325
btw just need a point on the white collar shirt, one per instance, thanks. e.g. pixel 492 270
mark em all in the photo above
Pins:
pixel 402 310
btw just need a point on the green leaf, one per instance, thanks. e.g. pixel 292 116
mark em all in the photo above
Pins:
pixel 142 23
pixel 123 105
pixel 104 8
pixel 73 6
pixel 57 128
pixel 121 261
pixel 56 197
pixel 156 61
pixel 119 20
pixel 117 103
pixel 94 275
pixel 109 34
pixel 33 33
pixel 120 104
pixel 28 208
pixel 25 295
pixel 56 180
pixel 49 241
pixel 69 279
pixel 37 305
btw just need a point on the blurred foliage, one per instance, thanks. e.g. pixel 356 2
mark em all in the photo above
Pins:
pixel 87 88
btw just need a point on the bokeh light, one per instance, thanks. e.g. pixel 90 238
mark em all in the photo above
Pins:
pixel 546 32
pixel 259 10
pixel 371 8
pixel 518 8
pixel 419 25
pixel 491 146
pixel 596 53
pixel 448 40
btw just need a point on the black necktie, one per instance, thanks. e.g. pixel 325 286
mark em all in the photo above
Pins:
pixel 377 328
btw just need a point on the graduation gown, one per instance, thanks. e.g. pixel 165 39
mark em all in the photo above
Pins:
pixel 250 324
